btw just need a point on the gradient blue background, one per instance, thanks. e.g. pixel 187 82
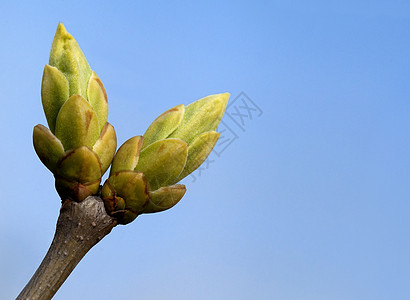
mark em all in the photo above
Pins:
pixel 310 202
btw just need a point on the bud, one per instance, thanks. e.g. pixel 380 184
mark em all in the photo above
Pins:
pixel 145 169
pixel 67 57
pixel 125 195
pixel 201 116
pixel 80 144
pixel 195 125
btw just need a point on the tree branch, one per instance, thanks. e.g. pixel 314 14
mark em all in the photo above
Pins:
pixel 79 227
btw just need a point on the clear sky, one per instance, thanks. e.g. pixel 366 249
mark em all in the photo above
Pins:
pixel 310 200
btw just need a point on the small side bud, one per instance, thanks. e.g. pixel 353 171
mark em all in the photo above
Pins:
pixel 125 195
pixel 48 147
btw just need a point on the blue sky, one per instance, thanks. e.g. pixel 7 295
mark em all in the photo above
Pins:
pixel 309 201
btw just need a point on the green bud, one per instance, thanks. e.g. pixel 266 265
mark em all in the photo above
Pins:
pixel 48 147
pixel 69 74
pixel 67 56
pixel 195 124
pixel 125 195
pixel 80 145
pixel 173 146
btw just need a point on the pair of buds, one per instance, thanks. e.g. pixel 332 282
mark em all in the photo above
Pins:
pixel 80 145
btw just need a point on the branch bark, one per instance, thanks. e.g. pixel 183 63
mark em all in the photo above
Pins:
pixel 79 227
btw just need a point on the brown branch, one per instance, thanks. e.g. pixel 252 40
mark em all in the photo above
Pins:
pixel 79 227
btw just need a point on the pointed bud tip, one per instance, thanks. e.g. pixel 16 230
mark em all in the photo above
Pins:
pixel 225 97
pixel 62 32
